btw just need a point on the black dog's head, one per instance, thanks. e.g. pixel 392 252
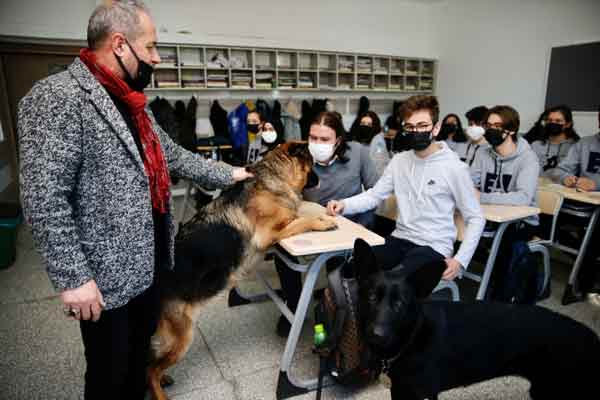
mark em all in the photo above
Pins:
pixel 389 306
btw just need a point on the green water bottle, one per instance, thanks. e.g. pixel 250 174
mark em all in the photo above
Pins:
pixel 320 335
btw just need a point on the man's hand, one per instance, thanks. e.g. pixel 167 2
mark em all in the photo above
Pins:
pixel 335 207
pixel 452 269
pixel 240 174
pixel 86 301
pixel 570 181
pixel 585 184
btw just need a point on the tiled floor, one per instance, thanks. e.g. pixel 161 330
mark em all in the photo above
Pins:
pixel 235 354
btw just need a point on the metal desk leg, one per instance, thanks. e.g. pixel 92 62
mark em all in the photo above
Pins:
pixel 489 265
pixel 571 294
pixel 287 385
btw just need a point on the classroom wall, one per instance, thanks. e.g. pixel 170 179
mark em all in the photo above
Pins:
pixel 357 26
pixel 497 52
pixel 512 70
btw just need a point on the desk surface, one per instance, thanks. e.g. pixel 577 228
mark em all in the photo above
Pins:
pixel 214 147
pixel 570 193
pixel 321 242
pixel 491 212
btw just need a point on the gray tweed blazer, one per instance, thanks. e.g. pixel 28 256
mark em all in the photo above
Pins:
pixel 84 189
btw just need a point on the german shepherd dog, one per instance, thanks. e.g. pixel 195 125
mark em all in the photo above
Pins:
pixel 224 241
pixel 431 346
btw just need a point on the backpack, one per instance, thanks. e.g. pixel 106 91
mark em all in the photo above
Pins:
pixel 523 279
pixel 346 354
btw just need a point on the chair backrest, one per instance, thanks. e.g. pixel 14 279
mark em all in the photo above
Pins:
pixel 550 203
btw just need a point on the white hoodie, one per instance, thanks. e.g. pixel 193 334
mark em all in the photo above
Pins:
pixel 428 190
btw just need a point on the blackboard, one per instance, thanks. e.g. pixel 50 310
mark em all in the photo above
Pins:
pixel 574 77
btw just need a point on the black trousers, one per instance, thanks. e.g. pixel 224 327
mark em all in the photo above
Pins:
pixel 117 349
pixel 395 251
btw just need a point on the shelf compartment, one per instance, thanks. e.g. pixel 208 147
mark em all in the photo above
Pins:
pixel 191 57
pixel 217 58
pixel 193 78
pixel 166 78
pixel 287 60
pixel 327 80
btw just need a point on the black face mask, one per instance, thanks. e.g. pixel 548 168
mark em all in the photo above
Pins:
pixel 253 128
pixel 419 140
pixel 553 129
pixel 495 137
pixel 364 134
pixel 143 76
pixel 448 129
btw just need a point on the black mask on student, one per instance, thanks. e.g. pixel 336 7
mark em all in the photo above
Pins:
pixel 553 129
pixel 143 76
pixel 364 134
pixel 419 140
pixel 448 129
pixel 253 128
pixel 495 137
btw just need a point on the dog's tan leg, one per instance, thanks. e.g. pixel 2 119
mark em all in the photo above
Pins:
pixel 305 224
pixel 178 327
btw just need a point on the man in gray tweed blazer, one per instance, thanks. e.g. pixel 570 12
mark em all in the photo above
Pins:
pixel 94 176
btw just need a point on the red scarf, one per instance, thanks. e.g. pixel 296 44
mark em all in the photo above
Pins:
pixel 154 159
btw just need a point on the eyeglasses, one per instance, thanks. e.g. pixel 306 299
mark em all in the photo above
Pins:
pixel 497 125
pixel 421 127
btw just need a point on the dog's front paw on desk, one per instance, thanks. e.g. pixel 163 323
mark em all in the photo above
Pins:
pixel 324 223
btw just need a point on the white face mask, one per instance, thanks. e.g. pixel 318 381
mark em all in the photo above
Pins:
pixel 321 152
pixel 475 132
pixel 269 136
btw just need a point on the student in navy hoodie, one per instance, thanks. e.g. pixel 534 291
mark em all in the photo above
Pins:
pixel 581 170
pixel 507 174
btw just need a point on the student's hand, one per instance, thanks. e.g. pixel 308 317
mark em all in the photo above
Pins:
pixel 240 174
pixel 585 184
pixel 452 269
pixel 570 181
pixel 335 207
pixel 86 301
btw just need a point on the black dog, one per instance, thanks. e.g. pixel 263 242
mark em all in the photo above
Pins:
pixel 432 346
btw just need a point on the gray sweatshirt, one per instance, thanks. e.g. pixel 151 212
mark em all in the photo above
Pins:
pixel 583 159
pixel 472 151
pixel 550 155
pixel 427 192
pixel 340 180
pixel 510 180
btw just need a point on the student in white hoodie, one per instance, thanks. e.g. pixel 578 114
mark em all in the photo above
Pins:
pixel 430 183
pixel 507 174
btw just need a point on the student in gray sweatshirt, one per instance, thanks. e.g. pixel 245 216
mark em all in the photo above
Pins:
pixel 581 170
pixel 507 174
pixel 430 183
pixel 344 169
pixel 558 137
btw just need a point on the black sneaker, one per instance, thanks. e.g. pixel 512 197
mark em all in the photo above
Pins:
pixel 283 327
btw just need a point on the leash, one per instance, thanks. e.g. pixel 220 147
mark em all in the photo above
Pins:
pixel 322 369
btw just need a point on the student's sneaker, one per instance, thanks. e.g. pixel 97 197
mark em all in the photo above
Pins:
pixel 594 299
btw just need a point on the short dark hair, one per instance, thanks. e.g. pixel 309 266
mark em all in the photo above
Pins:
pixel 418 103
pixel 333 120
pixel 509 116
pixel 477 114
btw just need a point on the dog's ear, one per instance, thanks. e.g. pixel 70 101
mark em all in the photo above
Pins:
pixel 365 262
pixel 426 278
